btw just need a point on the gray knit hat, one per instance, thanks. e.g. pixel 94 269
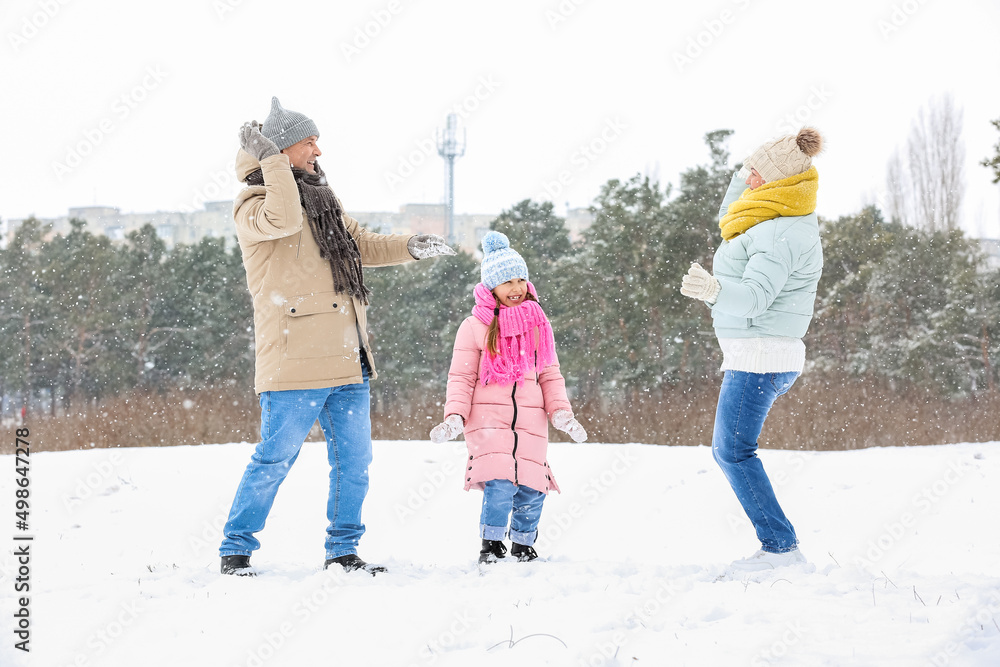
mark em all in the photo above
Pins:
pixel 286 128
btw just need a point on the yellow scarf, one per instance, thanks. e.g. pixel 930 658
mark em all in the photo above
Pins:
pixel 795 195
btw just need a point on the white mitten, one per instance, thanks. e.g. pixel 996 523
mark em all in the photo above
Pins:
pixel 565 422
pixel 700 284
pixel 449 429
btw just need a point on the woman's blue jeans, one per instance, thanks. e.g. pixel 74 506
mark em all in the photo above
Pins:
pixel 744 401
pixel 503 498
pixel 286 418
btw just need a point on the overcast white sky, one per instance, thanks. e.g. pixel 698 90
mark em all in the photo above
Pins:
pixel 135 105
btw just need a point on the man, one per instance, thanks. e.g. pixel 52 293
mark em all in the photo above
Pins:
pixel 303 258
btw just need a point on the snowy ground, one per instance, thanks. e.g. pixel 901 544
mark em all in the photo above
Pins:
pixel 903 544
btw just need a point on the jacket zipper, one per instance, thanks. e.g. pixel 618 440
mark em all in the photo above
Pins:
pixel 513 424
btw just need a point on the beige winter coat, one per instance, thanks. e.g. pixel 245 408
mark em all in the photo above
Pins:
pixel 306 335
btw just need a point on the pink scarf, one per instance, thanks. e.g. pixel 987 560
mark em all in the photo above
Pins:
pixel 518 351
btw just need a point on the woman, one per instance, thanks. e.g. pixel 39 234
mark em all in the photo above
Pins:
pixel 762 295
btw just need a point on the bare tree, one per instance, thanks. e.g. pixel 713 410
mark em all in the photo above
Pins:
pixel 899 191
pixel 926 182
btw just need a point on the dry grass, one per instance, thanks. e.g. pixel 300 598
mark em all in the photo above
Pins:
pixel 817 414
pixel 150 419
pixel 822 413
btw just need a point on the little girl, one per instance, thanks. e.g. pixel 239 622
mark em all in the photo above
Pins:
pixel 504 381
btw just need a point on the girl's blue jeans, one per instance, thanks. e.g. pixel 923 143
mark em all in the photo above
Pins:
pixel 744 401
pixel 503 498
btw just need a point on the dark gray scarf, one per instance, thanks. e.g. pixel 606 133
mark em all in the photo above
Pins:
pixel 326 218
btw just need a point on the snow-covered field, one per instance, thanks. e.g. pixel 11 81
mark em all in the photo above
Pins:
pixel 903 544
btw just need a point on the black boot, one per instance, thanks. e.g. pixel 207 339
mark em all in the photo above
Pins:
pixel 522 552
pixel 351 562
pixel 492 551
pixel 238 565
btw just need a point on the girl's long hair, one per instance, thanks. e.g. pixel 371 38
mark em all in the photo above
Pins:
pixel 493 332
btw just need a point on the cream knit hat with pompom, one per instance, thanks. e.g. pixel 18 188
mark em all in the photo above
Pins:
pixel 784 157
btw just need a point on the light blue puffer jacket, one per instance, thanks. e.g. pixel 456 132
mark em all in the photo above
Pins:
pixel 768 275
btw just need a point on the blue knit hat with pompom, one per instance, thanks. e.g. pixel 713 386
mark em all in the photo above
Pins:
pixel 500 262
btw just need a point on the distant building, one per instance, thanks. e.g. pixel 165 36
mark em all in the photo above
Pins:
pixel 428 219
pixel 173 227
pixel 215 220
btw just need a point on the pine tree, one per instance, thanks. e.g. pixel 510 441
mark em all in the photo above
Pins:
pixel 25 313
pixel 77 278
pixel 142 284
pixel 207 319
pixel 853 247
pixel 542 239
pixel 922 293
pixel 994 162
pixel 415 312
pixel 620 285
pixel 630 327
pixel 694 235
pixel 988 324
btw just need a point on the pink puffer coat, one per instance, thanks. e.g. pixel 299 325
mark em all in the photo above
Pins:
pixel 506 427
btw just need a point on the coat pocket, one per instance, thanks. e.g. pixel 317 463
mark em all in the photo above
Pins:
pixel 320 325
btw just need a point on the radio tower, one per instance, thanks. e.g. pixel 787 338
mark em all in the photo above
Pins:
pixel 450 146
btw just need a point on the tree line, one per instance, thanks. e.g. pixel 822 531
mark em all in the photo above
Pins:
pixel 917 307
pixel 83 318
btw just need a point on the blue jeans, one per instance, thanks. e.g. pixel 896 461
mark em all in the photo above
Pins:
pixel 744 401
pixel 502 498
pixel 286 418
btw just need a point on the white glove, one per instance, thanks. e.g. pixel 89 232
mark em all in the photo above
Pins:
pixel 449 429
pixel 700 284
pixel 423 246
pixel 565 422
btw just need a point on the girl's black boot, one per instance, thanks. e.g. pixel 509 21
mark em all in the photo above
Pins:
pixel 492 551
pixel 522 552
